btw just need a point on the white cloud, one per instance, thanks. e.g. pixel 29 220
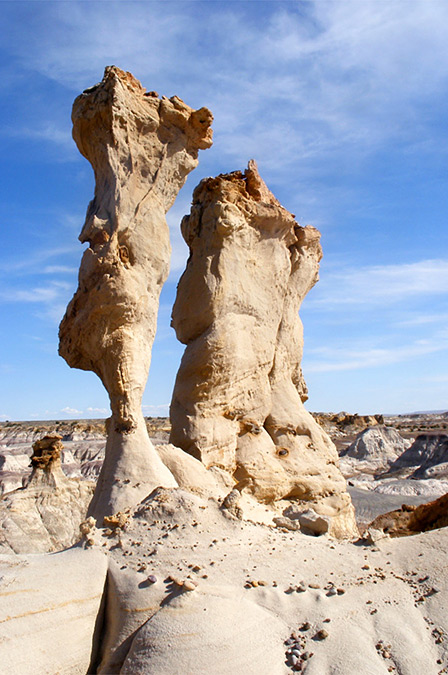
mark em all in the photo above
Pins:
pixel 380 285
pixel 101 411
pixel 307 79
pixel 332 359
pixel 442 378
pixel 59 269
pixel 47 132
pixel 156 410
pixel 38 294
pixel 71 411
pixel 35 261
pixel 424 319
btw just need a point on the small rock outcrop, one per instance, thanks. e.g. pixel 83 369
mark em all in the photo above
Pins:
pixel 374 449
pixel 238 398
pixel 45 515
pixel 342 423
pixel 413 519
pixel 427 457
pixel 141 149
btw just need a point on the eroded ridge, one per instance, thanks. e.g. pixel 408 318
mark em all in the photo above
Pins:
pixel 238 397
pixel 141 149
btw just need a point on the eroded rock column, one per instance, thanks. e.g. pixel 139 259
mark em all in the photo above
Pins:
pixel 141 149
pixel 238 397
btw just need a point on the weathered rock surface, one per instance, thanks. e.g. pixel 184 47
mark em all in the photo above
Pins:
pixel 191 590
pixel 310 521
pixel 141 148
pixel 188 471
pixel 427 457
pixel 248 630
pixel 339 424
pixel 238 397
pixel 373 450
pixel 49 611
pixel 46 514
pixel 412 519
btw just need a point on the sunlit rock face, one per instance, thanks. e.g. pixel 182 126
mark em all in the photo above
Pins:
pixel 238 397
pixel 141 149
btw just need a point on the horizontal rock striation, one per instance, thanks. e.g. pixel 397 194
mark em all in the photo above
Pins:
pixel 238 398
pixel 141 149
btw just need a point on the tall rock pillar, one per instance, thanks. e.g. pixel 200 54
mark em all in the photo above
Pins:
pixel 141 149
pixel 238 398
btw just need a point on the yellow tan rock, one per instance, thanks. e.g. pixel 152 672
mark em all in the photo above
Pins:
pixel 141 148
pixel 238 398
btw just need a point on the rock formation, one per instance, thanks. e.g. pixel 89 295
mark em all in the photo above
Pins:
pixel 141 148
pixel 411 519
pixel 339 424
pixel 427 457
pixel 49 611
pixel 373 450
pixel 191 590
pixel 45 515
pixel 238 398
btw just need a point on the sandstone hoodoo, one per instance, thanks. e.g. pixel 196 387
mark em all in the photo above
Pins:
pixel 238 398
pixel 44 515
pixel 47 457
pixel 141 148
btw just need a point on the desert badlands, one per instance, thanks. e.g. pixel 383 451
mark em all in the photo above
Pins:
pixel 243 535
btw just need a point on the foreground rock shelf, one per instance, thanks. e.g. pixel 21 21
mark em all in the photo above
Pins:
pixel 189 588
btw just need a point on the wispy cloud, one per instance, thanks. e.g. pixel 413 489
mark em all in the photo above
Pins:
pixel 424 319
pixel 71 411
pixel 38 294
pixel 313 78
pixel 161 410
pixel 348 357
pixel 35 262
pixel 47 132
pixel 380 285
pixel 59 269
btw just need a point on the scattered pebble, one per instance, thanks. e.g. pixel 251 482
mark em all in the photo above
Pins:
pixel 189 585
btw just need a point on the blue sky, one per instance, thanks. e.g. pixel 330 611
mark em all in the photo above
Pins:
pixel 344 105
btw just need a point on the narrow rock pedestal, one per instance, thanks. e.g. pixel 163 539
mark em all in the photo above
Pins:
pixel 141 148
